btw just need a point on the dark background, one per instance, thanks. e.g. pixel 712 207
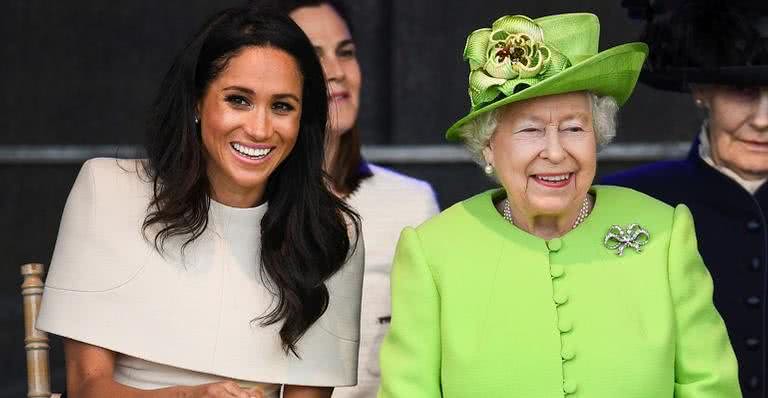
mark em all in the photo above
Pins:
pixel 85 71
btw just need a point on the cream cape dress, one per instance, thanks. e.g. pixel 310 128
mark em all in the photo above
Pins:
pixel 184 319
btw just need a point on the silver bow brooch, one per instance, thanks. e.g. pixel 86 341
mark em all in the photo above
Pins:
pixel 619 238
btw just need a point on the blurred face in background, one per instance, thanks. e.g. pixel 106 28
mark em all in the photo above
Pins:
pixel 738 127
pixel 333 42
pixel 249 119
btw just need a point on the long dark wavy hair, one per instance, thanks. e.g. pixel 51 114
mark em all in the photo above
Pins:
pixel 304 234
pixel 349 168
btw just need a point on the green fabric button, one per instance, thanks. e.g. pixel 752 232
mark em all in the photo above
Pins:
pixel 569 387
pixel 564 326
pixel 560 298
pixel 556 270
pixel 567 354
pixel 554 244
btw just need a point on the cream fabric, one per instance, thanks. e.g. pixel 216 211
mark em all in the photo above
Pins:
pixel 138 373
pixel 387 202
pixel 107 286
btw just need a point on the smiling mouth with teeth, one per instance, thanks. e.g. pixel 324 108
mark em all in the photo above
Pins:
pixel 252 153
pixel 558 178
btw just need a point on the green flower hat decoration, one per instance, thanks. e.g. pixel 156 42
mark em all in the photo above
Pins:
pixel 519 58
pixel 508 56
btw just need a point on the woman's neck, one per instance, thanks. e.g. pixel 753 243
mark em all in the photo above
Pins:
pixel 236 198
pixel 548 226
pixel 545 226
pixel 226 192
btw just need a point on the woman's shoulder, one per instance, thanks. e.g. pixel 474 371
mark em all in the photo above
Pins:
pixel 471 214
pixel 624 199
pixel 108 184
pixel 411 199
pixel 105 174
pixel 390 180
pixel 101 222
pixel 470 229
pixel 625 206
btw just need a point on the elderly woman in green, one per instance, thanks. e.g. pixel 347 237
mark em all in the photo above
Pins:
pixel 552 287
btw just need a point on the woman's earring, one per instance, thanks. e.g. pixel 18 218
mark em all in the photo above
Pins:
pixel 699 103
pixel 488 169
pixel 197 119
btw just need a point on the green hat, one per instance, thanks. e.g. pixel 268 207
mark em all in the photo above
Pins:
pixel 519 58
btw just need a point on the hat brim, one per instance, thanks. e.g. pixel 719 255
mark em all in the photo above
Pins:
pixel 612 72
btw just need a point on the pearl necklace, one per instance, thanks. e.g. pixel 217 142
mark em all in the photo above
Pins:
pixel 583 212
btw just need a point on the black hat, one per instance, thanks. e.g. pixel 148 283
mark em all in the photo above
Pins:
pixel 703 41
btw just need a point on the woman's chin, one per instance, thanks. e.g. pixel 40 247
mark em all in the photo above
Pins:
pixel 243 179
pixel 339 129
pixel 249 179
pixel 342 123
pixel 751 166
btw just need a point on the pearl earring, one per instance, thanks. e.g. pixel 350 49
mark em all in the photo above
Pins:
pixel 488 169
pixel 197 119
pixel 699 103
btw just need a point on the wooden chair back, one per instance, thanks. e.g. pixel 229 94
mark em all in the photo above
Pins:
pixel 35 341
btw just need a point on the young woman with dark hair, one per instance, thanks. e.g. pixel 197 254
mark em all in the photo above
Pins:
pixel 386 201
pixel 225 247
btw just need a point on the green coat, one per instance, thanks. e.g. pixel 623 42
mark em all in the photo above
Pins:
pixel 482 309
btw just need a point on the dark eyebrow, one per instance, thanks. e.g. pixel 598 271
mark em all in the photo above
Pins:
pixel 238 88
pixel 251 92
pixel 345 43
pixel 281 96
pixel 341 44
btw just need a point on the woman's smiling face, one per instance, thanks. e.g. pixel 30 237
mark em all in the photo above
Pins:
pixel 249 119
pixel 544 152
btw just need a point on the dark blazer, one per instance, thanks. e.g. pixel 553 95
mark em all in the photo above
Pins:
pixel 731 230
